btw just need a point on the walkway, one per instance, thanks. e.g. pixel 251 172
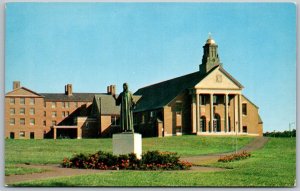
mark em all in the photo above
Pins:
pixel 54 171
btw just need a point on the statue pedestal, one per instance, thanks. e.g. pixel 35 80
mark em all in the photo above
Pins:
pixel 126 143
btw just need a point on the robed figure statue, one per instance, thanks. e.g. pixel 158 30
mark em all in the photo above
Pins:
pixel 126 100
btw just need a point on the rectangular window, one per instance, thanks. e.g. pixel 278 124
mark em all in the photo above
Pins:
pixel 12 135
pixel 44 123
pixel 53 122
pixel 202 99
pixel 12 111
pixel 67 104
pixel 115 120
pixel 63 104
pixel 67 113
pixel 22 101
pixel 12 121
pixel 45 104
pixel 31 135
pixel 32 121
pixel 53 114
pixel 22 134
pixel 53 104
pixel 63 114
pixel 244 109
pixel 244 129
pixel 32 111
pixel 31 101
pixel 45 113
pixel 22 121
pixel 22 111
pixel 12 101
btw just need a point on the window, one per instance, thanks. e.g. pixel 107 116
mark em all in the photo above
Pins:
pixel 54 114
pixel 11 135
pixel 22 101
pixel 67 113
pixel 63 104
pixel 53 122
pixel 45 113
pixel 45 104
pixel 12 111
pixel 244 109
pixel 12 101
pixel 244 129
pixel 202 99
pixel 53 104
pixel 12 121
pixel 44 123
pixel 22 134
pixel 22 111
pixel 76 104
pixel 32 122
pixel 67 104
pixel 63 114
pixel 31 135
pixel 31 101
pixel 32 111
pixel 22 121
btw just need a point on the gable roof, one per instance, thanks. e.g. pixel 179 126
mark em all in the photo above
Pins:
pixel 158 95
pixel 24 88
pixel 105 104
pixel 84 97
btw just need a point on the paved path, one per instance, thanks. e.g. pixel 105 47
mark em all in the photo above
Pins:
pixel 54 171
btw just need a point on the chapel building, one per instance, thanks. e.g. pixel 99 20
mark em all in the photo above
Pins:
pixel 206 102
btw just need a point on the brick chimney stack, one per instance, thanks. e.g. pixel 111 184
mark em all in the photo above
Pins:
pixel 16 84
pixel 68 89
pixel 111 89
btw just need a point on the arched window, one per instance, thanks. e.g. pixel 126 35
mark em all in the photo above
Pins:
pixel 217 123
pixel 203 123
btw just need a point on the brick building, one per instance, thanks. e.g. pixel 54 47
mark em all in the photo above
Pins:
pixel 32 115
pixel 206 102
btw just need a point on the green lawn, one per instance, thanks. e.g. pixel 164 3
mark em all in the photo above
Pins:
pixel 12 169
pixel 274 165
pixel 53 151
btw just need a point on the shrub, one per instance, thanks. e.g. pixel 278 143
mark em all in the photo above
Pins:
pixel 151 160
pixel 234 157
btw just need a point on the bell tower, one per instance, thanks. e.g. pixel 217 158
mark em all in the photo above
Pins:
pixel 210 57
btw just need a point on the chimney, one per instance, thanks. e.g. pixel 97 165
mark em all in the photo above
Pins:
pixel 68 89
pixel 111 89
pixel 16 84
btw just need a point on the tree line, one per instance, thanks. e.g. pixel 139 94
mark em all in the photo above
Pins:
pixel 291 133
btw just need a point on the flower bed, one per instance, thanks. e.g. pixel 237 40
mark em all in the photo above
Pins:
pixel 151 160
pixel 234 157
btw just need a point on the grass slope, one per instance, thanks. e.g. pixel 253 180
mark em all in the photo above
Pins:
pixel 53 151
pixel 272 166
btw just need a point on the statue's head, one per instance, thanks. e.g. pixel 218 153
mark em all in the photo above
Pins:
pixel 125 87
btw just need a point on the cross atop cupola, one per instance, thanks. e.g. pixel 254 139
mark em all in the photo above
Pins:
pixel 210 57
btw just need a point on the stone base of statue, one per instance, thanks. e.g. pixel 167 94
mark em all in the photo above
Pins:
pixel 126 143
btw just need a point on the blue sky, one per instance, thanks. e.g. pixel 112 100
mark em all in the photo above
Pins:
pixel 93 45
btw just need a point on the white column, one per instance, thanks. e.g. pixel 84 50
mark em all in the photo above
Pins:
pixel 226 113
pixel 240 113
pixel 194 113
pixel 235 113
pixel 211 112
pixel 197 113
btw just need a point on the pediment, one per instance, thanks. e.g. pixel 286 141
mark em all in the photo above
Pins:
pixel 23 92
pixel 219 79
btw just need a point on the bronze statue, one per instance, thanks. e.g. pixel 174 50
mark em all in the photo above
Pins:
pixel 126 100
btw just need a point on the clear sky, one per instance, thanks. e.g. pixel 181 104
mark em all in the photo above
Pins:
pixel 93 45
